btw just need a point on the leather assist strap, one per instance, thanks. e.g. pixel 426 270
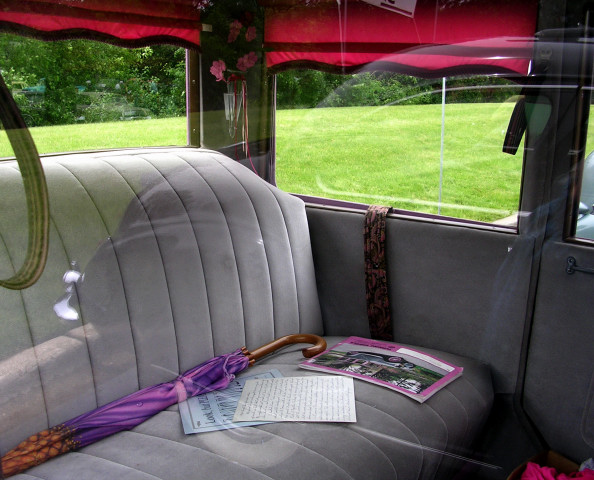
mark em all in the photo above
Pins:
pixel 36 193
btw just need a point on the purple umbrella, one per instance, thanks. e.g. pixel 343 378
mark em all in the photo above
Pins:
pixel 131 410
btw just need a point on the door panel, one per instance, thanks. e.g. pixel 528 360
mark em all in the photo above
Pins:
pixel 557 393
pixel 462 290
pixel 559 377
pixel 453 288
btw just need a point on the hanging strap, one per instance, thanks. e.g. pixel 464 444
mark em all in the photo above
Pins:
pixel 376 279
pixel 36 193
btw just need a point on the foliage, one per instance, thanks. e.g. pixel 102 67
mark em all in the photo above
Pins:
pixel 101 108
pixel 32 112
pixel 310 88
pixel 159 83
pixel 47 77
pixel 305 88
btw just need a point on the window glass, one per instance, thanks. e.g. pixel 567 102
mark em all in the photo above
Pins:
pixel 391 139
pixel 82 95
pixel 585 218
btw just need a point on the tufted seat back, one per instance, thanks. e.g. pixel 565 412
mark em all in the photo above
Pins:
pixel 182 253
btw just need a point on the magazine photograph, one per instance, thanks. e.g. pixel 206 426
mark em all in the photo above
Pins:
pixel 403 369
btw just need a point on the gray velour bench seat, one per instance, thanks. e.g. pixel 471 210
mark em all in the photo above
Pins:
pixel 186 254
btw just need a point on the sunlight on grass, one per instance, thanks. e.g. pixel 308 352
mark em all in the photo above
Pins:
pixel 380 155
pixel 391 156
pixel 95 136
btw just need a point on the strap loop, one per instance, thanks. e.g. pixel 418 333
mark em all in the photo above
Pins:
pixel 376 278
pixel 35 192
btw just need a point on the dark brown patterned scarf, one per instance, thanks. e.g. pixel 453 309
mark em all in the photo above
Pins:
pixel 376 281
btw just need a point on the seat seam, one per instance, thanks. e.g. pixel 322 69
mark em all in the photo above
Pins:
pixel 103 459
pixel 185 208
pixel 158 244
pixel 194 447
pixel 464 409
pixel 241 287
pixel 24 474
pixel 360 435
pixel 291 245
pixel 272 434
pixel 31 339
pixel 80 312
pixel 447 437
pixel 117 259
pixel 274 334
pixel 105 162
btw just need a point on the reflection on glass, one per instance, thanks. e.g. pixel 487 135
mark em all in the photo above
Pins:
pixel 63 308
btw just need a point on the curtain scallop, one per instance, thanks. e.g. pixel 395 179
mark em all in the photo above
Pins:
pixel 130 22
pixel 431 38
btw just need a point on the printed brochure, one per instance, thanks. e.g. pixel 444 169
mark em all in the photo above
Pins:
pixel 403 369
pixel 215 410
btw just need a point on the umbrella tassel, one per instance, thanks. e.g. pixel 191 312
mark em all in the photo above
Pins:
pixel 38 448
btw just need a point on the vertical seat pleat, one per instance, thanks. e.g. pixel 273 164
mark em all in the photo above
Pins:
pixel 248 251
pixel 185 254
pixel 86 213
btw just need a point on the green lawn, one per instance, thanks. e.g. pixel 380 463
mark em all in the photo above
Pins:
pixel 381 155
pixel 94 136
pixel 391 156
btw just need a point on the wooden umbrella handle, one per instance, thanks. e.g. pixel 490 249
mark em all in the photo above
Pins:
pixel 319 345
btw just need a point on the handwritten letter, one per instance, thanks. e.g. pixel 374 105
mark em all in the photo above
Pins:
pixel 298 399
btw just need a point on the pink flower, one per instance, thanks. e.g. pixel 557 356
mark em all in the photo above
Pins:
pixel 217 69
pixel 234 29
pixel 247 61
pixel 250 34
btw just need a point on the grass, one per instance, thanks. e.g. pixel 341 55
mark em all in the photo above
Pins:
pixel 391 156
pixel 95 136
pixel 381 155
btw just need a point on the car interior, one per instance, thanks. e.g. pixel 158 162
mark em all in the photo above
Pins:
pixel 187 180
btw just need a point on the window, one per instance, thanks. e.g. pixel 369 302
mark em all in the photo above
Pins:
pixel 585 219
pixel 83 95
pixel 391 139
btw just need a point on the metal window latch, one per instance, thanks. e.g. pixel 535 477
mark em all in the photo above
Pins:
pixel 572 267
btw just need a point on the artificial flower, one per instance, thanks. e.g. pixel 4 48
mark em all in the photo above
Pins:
pixel 250 33
pixel 234 29
pixel 247 61
pixel 217 69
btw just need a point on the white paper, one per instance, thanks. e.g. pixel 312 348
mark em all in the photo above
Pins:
pixel 404 7
pixel 298 399
pixel 214 410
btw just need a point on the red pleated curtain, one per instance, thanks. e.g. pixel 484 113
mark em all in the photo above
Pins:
pixel 430 38
pixel 127 22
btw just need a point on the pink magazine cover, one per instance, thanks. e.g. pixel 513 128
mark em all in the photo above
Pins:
pixel 403 369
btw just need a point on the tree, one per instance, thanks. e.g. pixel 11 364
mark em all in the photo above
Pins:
pixel 46 77
pixel 311 88
pixel 305 88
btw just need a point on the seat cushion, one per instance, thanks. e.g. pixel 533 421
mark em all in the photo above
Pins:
pixel 394 437
pixel 184 254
